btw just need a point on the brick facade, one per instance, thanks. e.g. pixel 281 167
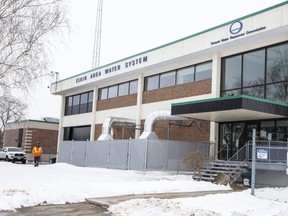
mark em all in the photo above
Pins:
pixel 25 135
pixel 123 101
pixel 178 91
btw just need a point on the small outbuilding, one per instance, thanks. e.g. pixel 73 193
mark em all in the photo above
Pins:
pixel 24 134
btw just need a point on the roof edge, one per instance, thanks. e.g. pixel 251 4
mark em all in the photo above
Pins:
pixel 230 98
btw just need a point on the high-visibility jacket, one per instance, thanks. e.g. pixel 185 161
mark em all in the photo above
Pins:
pixel 37 151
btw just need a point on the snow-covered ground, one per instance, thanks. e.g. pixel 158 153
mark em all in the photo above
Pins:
pixel 26 185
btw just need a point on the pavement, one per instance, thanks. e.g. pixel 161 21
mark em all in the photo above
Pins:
pixel 106 202
pixel 98 206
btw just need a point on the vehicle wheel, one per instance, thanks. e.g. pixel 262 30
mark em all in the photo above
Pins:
pixel 23 161
pixel 13 161
pixel 6 159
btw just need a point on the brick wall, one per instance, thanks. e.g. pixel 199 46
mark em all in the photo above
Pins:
pixel 189 130
pixel 10 138
pixel 118 132
pixel 178 91
pixel 98 131
pixel 123 101
pixel 47 138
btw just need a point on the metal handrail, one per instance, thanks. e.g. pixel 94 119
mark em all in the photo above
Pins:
pixel 223 148
pixel 237 153
pixel 239 164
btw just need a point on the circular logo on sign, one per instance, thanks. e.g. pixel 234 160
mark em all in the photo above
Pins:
pixel 236 27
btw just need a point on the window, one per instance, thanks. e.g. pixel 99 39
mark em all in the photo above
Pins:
pixel 133 86
pixel 103 93
pixel 185 75
pixel 81 103
pixel 203 71
pixel 277 63
pixel 231 79
pixel 152 82
pixel 167 79
pixel 113 91
pixel 254 68
pixel 68 105
pixel 262 73
pixel 255 91
pixel 118 90
pixel 277 92
pixel 123 89
pixel 179 76
pixel 76 102
pixel 90 101
pixel 81 133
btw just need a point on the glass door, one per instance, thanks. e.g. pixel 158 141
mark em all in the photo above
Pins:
pixel 232 138
pixel 238 137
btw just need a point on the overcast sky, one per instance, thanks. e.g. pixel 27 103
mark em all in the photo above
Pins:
pixel 130 27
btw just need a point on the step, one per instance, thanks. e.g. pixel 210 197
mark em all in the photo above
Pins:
pixel 211 170
pixel 216 164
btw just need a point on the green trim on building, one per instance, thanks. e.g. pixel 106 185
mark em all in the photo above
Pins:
pixel 32 120
pixel 230 98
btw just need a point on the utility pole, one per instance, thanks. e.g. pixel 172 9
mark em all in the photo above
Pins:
pixel 97 37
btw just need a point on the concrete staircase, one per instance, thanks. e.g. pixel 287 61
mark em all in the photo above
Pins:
pixel 232 168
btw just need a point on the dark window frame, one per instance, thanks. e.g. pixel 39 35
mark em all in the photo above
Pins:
pixel 146 79
pixel 79 106
pixel 267 83
pixel 118 86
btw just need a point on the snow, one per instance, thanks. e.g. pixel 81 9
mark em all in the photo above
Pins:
pixel 26 185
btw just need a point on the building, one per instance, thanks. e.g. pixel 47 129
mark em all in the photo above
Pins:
pixel 25 134
pixel 217 85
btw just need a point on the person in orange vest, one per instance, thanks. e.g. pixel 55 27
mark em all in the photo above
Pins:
pixel 37 152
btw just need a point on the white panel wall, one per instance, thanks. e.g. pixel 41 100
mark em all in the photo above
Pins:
pixel 77 120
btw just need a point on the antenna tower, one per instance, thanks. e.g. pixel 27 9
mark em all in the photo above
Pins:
pixel 97 37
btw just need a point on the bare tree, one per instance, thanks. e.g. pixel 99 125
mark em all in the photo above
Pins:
pixel 25 29
pixel 196 159
pixel 11 109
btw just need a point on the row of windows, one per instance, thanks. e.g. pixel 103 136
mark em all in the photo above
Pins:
pixel 81 133
pixel 261 73
pixel 118 90
pixel 176 77
pixel 80 103
pixel 179 76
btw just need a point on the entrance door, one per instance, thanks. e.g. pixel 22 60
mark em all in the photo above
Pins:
pixel 232 138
